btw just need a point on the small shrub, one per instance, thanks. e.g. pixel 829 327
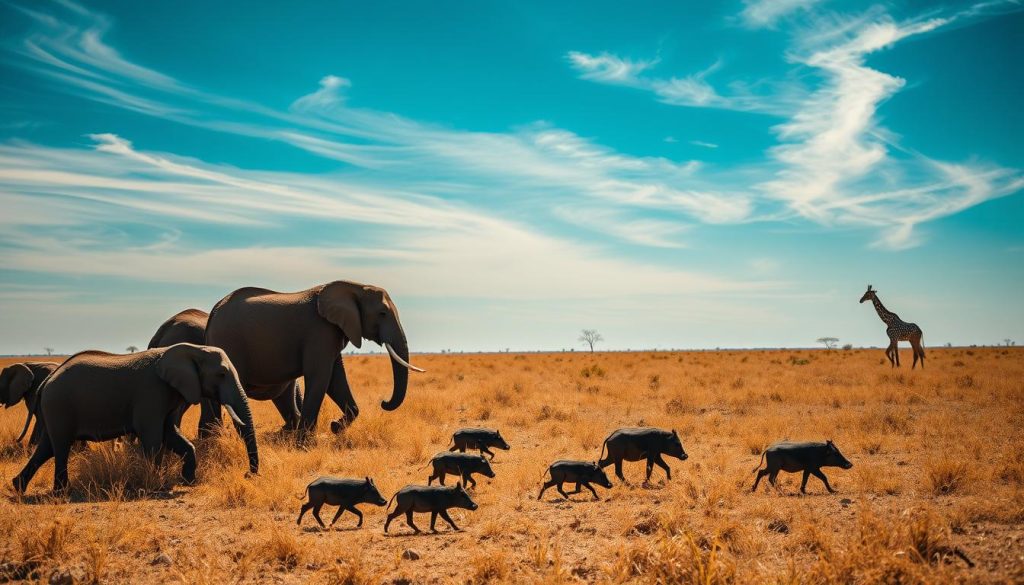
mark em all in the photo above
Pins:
pixel 946 476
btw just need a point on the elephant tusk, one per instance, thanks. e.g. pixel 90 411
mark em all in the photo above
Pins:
pixel 234 415
pixel 398 359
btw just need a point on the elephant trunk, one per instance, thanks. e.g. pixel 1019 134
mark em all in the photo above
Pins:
pixel 30 402
pixel 234 400
pixel 399 371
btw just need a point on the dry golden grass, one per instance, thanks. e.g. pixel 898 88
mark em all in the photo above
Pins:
pixel 937 453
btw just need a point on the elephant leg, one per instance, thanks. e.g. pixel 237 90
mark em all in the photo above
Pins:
pixel 209 418
pixel 317 375
pixel 285 402
pixel 42 454
pixel 433 521
pixel 151 441
pixel 61 453
pixel 341 393
pixel 181 446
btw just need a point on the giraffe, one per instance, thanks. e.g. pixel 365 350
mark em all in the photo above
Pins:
pixel 897 330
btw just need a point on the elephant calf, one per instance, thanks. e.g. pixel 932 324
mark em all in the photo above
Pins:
pixel 806 457
pixel 634 444
pixel 98 396
pixel 461 464
pixel 582 473
pixel 344 493
pixel 20 382
pixel 436 500
pixel 476 438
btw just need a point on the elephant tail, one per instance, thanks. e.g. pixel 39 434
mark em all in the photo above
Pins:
pixel 388 507
pixel 759 462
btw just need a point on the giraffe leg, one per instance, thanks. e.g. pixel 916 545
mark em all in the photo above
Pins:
pixel 891 353
pixel 896 352
pixel 915 342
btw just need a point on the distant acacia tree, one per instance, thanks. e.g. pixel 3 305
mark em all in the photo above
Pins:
pixel 48 350
pixel 828 342
pixel 590 337
pixel 848 346
pixel 132 349
pixel 1008 342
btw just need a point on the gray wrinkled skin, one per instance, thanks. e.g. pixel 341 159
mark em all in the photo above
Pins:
pixel 582 473
pixel 463 465
pixel 635 444
pixel 436 500
pixel 806 457
pixel 480 439
pixel 344 493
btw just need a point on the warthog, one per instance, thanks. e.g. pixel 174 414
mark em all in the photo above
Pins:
pixel 461 464
pixel 344 493
pixel 806 457
pixel 582 473
pixel 481 439
pixel 436 500
pixel 634 444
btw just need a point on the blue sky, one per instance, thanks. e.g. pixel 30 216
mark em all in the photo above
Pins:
pixel 675 175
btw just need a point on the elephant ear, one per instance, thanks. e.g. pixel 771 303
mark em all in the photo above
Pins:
pixel 177 367
pixel 17 378
pixel 338 302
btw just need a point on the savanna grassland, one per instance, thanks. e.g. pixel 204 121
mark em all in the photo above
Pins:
pixel 936 453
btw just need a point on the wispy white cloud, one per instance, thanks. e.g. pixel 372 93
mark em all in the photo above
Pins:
pixel 703 144
pixel 608 68
pixel 834 161
pixel 693 90
pixel 766 13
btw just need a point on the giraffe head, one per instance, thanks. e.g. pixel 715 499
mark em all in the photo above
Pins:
pixel 869 295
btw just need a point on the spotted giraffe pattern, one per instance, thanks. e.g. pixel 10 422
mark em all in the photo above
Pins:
pixel 897 330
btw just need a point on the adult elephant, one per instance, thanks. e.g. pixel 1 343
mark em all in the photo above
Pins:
pixel 21 382
pixel 273 338
pixel 189 326
pixel 98 396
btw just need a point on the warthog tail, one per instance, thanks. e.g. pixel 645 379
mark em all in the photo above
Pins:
pixel 302 494
pixel 759 462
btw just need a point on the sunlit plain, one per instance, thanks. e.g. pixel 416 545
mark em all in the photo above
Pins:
pixel 937 471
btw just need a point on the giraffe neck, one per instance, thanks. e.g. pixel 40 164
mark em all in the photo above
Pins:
pixel 884 314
